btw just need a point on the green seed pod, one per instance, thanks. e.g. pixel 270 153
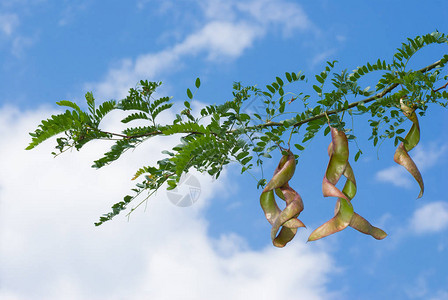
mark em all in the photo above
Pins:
pixel 285 220
pixel 344 215
pixel 412 138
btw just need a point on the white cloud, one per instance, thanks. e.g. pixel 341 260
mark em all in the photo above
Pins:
pixel 219 39
pixel 395 175
pixel 229 28
pixel 289 15
pixel 8 23
pixel 49 248
pixel 218 10
pixel 430 218
pixel 322 56
pixel 119 79
pixel 216 39
pixel 420 288
pixel 424 157
pixel 428 156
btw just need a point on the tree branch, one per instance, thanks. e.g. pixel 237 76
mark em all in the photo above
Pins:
pixel 441 88
pixel 354 104
pixel 322 115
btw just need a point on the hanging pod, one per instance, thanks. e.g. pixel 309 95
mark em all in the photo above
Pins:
pixel 285 220
pixel 344 216
pixel 412 138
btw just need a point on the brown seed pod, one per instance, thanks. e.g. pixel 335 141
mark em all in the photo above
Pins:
pixel 284 220
pixel 344 213
pixel 412 138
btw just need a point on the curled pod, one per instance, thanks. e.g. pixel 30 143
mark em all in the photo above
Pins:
pixel 344 215
pixel 284 222
pixel 412 138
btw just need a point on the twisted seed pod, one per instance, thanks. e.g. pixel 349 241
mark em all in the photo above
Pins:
pixel 284 220
pixel 412 138
pixel 345 216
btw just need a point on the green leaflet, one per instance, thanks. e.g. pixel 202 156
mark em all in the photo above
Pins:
pixel 286 221
pixel 412 138
pixel 104 108
pixel 185 127
pixel 69 104
pixel 115 152
pixel 57 124
pixel 135 116
pixel 189 151
pixel 345 216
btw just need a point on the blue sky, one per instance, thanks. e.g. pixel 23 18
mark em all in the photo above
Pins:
pixel 219 248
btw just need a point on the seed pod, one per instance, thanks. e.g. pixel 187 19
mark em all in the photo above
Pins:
pixel 284 220
pixel 362 225
pixel 345 216
pixel 412 138
pixel 338 152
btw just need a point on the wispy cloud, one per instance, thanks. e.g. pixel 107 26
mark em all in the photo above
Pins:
pixel 8 23
pixel 395 175
pixel 430 218
pixel 420 288
pixel 11 36
pixel 215 40
pixel 428 156
pixel 71 12
pixel 289 16
pixel 20 44
pixel 219 39
pixel 322 56
pixel 228 29
pixel 49 245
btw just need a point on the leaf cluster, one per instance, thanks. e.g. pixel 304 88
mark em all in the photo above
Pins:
pixel 247 128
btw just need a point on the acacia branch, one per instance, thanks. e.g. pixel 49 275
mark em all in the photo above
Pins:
pixel 353 104
pixel 304 121
pixel 112 133
pixel 148 134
